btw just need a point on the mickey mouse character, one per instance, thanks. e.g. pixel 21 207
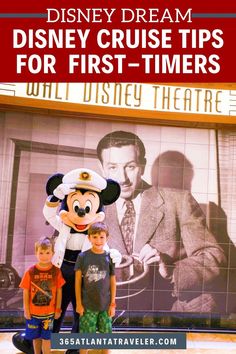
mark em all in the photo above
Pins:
pixel 82 193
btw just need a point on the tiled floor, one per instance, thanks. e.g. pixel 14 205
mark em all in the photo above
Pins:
pixel 197 343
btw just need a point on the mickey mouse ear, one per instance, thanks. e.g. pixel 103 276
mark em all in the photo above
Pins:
pixel 53 182
pixel 111 193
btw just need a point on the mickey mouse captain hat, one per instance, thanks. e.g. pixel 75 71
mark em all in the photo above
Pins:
pixel 85 178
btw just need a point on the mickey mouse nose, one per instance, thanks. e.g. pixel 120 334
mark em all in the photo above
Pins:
pixel 80 212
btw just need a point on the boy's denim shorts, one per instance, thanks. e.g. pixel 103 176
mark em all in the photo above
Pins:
pixel 39 327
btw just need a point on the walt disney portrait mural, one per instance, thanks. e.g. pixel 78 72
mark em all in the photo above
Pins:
pixel 169 184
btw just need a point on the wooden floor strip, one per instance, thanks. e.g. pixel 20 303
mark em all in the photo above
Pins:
pixel 197 343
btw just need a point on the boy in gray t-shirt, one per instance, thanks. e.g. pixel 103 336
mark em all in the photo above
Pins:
pixel 95 285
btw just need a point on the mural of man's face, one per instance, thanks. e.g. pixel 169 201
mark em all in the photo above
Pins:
pixel 122 165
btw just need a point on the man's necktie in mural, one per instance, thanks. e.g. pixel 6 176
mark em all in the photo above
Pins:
pixel 127 226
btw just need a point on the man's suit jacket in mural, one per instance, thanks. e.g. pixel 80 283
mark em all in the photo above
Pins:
pixel 172 222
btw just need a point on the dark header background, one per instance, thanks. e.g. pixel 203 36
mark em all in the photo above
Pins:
pixel 208 15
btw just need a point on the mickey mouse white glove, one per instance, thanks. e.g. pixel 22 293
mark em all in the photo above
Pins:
pixel 115 256
pixel 63 189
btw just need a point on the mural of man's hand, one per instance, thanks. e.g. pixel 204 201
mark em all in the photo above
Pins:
pixel 150 255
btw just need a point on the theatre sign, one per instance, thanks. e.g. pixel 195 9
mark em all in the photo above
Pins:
pixel 203 100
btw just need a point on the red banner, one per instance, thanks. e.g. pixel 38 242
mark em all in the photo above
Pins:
pixel 81 41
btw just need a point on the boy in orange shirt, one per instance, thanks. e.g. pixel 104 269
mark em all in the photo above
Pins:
pixel 42 294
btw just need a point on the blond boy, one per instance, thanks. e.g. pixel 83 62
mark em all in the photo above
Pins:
pixel 42 294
